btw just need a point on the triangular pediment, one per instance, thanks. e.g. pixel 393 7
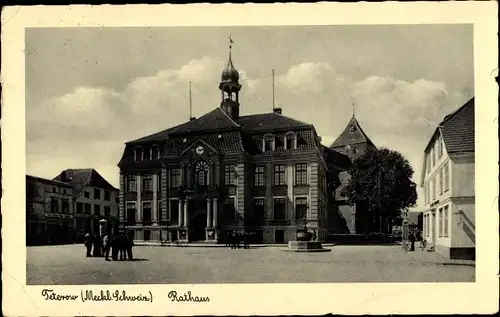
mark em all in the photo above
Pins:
pixel 201 148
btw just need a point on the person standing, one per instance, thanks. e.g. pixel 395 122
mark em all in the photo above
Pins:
pixel 88 244
pixel 114 246
pixel 129 246
pixel 106 243
pixel 411 237
pixel 97 246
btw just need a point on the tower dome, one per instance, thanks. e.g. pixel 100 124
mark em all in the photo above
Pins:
pixel 230 74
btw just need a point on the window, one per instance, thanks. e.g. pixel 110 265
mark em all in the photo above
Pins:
pixel 117 199
pixel 86 194
pixel 229 209
pixel 64 191
pixel 147 183
pixel 65 206
pixel 131 211
pixel 174 211
pixel 54 189
pixel 107 211
pixel 440 221
pixel 229 175
pixel 97 193
pixel 279 175
pixel 301 174
pixel 201 173
pixel 279 208
pixel 54 205
pixel 259 211
pixel 147 235
pixel 87 209
pixel 131 184
pixel 440 148
pixel 300 208
pixel 268 143
pixel 290 141
pixel 79 208
pixel 433 190
pixel 175 177
pixel 146 212
pixel 441 182
pixel 158 183
pixel 139 154
pixel 258 176
pixel 446 177
pixel 97 210
pixel 154 152
pixel 445 221
pixel 106 195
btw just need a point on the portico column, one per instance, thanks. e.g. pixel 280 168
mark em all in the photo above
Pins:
pixel 209 213
pixel 186 218
pixel 216 211
pixel 180 213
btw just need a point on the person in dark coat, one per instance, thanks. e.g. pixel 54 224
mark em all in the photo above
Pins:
pixel 233 239
pixel 114 243
pixel 97 246
pixel 411 237
pixel 88 244
pixel 129 243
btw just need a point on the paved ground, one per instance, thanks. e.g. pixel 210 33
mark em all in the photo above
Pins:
pixel 162 265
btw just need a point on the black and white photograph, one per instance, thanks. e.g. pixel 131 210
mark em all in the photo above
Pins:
pixel 250 154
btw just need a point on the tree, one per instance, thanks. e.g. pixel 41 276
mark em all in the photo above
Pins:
pixel 382 178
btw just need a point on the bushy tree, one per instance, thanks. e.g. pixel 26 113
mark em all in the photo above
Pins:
pixel 382 178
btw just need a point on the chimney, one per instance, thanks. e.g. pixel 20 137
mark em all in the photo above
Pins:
pixel 277 110
pixel 192 118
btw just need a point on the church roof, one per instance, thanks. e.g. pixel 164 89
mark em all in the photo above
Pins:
pixel 352 134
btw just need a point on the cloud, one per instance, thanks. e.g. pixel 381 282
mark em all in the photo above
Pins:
pixel 310 77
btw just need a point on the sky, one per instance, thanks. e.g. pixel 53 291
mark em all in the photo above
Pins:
pixel 90 90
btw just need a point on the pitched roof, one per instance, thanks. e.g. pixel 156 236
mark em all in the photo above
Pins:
pixel 81 178
pixel 268 122
pixel 213 120
pixel 158 136
pixel 457 129
pixel 352 134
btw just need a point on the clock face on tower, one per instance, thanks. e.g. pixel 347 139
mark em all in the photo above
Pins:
pixel 200 150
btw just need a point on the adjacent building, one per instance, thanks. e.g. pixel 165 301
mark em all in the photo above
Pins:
pixel 262 173
pixel 448 183
pixel 94 199
pixel 352 142
pixel 49 212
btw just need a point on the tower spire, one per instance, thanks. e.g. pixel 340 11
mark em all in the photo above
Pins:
pixel 230 46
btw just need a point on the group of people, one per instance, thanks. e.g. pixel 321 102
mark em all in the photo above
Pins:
pixel 233 239
pixel 119 245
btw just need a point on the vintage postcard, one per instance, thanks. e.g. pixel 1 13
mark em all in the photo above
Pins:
pixel 250 159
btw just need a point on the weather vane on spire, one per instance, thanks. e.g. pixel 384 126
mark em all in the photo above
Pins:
pixel 230 42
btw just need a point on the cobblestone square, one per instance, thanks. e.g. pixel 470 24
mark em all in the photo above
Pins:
pixel 67 265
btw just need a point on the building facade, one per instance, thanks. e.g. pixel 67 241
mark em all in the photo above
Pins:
pixel 352 142
pixel 448 183
pixel 49 212
pixel 94 199
pixel 198 181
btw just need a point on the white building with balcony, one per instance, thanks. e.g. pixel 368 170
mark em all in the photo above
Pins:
pixel 448 183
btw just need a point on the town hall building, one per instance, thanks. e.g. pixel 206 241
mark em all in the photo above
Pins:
pixel 265 173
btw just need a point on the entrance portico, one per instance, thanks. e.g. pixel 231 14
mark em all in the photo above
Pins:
pixel 198 219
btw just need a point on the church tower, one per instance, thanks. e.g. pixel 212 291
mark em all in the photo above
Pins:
pixel 353 141
pixel 230 88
